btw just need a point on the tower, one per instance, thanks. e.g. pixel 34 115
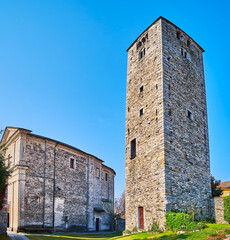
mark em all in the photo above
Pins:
pixel 167 146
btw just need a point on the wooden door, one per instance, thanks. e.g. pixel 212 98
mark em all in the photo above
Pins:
pixel 97 224
pixel 141 218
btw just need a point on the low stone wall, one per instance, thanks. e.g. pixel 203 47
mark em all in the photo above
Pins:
pixel 120 225
pixel 3 218
pixel 219 210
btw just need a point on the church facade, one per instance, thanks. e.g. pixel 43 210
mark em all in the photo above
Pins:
pixel 167 143
pixel 56 186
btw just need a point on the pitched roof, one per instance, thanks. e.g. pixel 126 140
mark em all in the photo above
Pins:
pixel 57 142
pixel 225 184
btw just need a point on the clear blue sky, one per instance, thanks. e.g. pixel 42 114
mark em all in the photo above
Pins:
pixel 63 70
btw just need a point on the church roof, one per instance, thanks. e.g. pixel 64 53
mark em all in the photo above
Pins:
pixel 49 139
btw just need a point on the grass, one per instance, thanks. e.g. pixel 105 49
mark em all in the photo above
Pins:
pixel 4 237
pixel 212 230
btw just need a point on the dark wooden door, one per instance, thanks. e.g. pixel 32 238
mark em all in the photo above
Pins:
pixel 141 218
pixel 8 215
pixel 97 224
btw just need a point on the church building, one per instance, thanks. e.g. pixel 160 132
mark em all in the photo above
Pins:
pixel 55 186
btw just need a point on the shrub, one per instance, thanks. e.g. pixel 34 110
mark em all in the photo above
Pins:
pixel 177 221
pixel 227 231
pixel 227 209
pixel 182 221
pixel 134 229
pixel 155 227
pixel 127 232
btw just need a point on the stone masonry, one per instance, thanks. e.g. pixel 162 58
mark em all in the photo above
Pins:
pixel 218 203
pixel 56 186
pixel 167 147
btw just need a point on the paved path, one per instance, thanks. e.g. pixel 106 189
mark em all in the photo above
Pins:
pixel 16 236
pixel 227 237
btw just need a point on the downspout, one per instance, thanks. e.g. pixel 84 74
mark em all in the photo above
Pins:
pixel 87 197
pixel 54 186
pixel 44 187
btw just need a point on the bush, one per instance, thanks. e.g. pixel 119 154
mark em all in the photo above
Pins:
pixel 127 232
pixel 134 229
pixel 227 209
pixel 182 221
pixel 155 227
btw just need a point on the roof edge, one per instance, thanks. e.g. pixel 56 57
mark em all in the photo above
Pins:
pixel 64 144
pixel 170 23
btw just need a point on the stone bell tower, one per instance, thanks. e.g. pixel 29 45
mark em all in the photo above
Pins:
pixel 167 146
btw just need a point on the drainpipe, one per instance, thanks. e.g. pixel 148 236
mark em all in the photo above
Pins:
pixel 54 186
pixel 44 187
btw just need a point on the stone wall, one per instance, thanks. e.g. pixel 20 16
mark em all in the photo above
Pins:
pixel 145 174
pixel 3 218
pixel 186 140
pixel 219 210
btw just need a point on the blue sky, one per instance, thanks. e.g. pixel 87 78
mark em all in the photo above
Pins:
pixel 63 70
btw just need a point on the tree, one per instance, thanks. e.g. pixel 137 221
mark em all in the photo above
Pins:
pixel 216 191
pixel 4 173
pixel 119 208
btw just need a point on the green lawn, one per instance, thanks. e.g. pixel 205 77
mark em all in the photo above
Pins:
pixel 200 235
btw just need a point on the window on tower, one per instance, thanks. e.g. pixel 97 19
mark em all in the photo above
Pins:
pixel 141 53
pixel 184 53
pixel 141 89
pixel 141 112
pixel 189 114
pixel 133 148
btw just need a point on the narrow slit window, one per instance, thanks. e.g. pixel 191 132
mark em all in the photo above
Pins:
pixel 189 114
pixel 106 177
pixel 141 89
pixel 133 148
pixel 71 163
pixel 141 112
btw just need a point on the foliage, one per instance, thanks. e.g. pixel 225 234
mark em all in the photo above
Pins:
pixel 216 191
pixel 4 173
pixel 182 221
pixel 155 227
pixel 127 232
pixel 119 205
pixel 134 229
pixel 208 220
pixel 227 209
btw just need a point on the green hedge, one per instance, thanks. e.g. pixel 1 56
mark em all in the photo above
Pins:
pixel 182 221
pixel 227 209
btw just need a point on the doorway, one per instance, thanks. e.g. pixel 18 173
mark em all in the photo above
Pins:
pixel 8 215
pixel 97 224
pixel 141 218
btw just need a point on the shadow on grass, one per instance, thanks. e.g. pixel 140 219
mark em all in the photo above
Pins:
pixel 4 237
pixel 78 237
